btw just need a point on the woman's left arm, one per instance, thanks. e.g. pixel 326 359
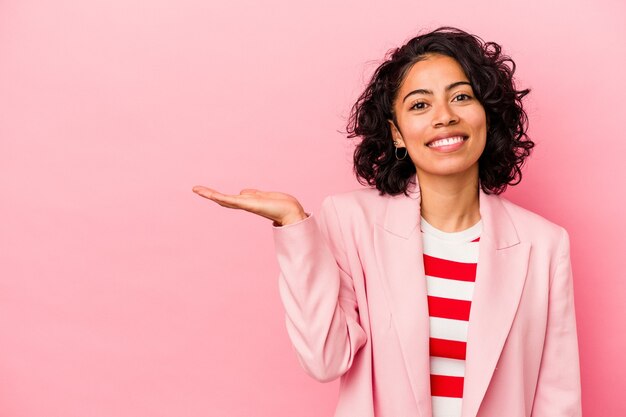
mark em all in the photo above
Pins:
pixel 558 392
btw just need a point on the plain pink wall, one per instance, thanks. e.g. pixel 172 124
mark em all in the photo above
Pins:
pixel 124 294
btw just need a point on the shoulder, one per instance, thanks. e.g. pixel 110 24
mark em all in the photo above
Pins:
pixel 359 196
pixel 533 227
pixel 355 211
pixel 366 201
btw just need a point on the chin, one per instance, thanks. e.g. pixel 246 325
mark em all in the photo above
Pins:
pixel 447 171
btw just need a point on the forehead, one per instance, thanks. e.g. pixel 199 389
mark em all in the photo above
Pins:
pixel 432 72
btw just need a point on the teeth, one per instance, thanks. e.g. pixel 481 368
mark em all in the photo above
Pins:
pixel 447 141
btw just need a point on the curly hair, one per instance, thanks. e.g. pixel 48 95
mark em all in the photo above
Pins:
pixel 507 145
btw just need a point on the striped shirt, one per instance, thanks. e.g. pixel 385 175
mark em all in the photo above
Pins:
pixel 450 261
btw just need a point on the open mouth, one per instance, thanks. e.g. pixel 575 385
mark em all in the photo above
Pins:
pixel 447 141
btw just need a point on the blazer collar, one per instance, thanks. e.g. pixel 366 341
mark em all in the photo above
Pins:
pixel 500 277
pixel 403 216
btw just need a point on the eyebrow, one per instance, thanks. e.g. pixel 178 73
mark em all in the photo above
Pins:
pixel 424 91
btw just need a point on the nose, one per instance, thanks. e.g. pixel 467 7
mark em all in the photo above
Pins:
pixel 444 116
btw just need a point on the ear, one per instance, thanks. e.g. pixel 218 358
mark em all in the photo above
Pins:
pixel 396 135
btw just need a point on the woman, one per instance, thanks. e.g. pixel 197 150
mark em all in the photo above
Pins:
pixel 428 293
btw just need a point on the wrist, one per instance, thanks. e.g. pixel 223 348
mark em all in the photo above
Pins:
pixel 294 218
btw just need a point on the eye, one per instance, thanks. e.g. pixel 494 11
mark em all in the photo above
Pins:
pixel 416 105
pixel 463 95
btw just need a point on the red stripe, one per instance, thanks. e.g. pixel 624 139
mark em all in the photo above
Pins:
pixel 477 239
pixel 447 348
pixel 443 268
pixel 446 386
pixel 448 308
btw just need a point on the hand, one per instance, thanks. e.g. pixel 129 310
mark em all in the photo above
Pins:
pixel 282 208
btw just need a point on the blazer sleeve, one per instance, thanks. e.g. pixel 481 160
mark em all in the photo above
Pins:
pixel 317 292
pixel 558 392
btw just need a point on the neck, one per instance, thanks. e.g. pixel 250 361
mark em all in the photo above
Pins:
pixel 450 203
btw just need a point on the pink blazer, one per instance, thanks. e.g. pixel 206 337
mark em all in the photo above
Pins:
pixel 353 288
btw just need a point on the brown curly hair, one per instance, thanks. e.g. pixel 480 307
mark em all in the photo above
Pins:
pixel 485 65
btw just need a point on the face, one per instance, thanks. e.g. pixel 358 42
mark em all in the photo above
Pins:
pixel 436 102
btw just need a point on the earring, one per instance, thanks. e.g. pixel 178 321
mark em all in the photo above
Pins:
pixel 404 156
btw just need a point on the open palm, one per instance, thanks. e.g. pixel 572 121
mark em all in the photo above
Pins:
pixel 280 207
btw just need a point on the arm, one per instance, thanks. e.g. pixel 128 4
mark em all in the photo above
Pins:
pixel 317 292
pixel 558 391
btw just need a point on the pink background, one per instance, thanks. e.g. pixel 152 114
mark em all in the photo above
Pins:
pixel 122 293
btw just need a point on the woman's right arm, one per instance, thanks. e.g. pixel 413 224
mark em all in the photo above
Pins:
pixel 318 294
pixel 315 282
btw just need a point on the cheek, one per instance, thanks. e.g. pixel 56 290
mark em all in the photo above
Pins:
pixel 478 119
pixel 415 130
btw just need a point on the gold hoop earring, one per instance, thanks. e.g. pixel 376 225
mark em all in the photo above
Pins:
pixel 404 156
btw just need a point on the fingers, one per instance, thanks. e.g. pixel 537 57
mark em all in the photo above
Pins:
pixel 241 201
pixel 213 195
pixel 249 191
pixel 271 205
pixel 204 191
pixel 209 192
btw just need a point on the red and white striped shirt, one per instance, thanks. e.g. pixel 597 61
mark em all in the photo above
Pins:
pixel 450 261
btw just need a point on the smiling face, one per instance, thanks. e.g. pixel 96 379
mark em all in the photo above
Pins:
pixel 435 102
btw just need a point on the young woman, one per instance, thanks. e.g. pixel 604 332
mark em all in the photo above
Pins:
pixel 428 293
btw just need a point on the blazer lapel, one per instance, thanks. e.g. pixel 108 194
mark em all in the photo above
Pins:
pixel 398 245
pixel 500 277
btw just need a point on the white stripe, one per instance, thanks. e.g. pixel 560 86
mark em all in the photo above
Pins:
pixel 448 329
pixel 469 233
pixel 449 288
pixel 463 252
pixel 446 406
pixel 447 366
